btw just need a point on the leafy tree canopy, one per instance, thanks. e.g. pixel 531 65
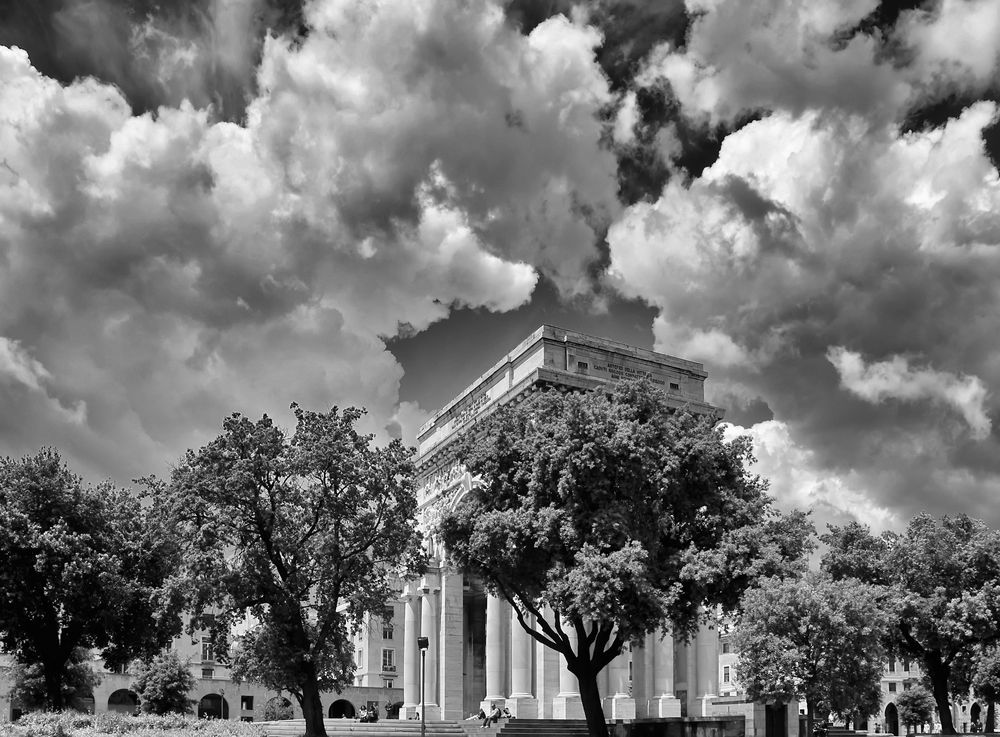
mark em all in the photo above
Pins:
pixel 619 514
pixel 83 567
pixel 815 639
pixel 915 706
pixel 944 575
pixel 302 536
pixel 163 685
pixel 77 686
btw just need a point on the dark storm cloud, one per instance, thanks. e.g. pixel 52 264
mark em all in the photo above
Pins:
pixel 157 53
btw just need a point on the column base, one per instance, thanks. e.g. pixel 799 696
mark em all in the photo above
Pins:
pixel 409 711
pixel 619 707
pixel 666 706
pixel 433 713
pixel 567 707
pixel 523 707
pixel 703 704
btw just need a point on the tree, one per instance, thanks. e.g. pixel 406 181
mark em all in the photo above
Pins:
pixel 300 536
pixel 78 685
pixel 83 567
pixel 163 685
pixel 619 514
pixel 986 683
pixel 815 639
pixel 944 576
pixel 915 706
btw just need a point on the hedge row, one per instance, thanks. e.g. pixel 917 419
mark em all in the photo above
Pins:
pixel 76 724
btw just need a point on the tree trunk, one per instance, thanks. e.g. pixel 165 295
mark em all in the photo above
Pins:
pixel 312 706
pixel 590 698
pixel 810 717
pixel 54 674
pixel 938 674
pixel 991 717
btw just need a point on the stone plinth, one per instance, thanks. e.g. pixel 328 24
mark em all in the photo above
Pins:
pixel 619 707
pixel 666 706
pixel 567 707
pixel 523 707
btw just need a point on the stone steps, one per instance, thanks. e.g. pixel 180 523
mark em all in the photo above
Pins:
pixel 540 727
pixel 346 727
pixel 528 728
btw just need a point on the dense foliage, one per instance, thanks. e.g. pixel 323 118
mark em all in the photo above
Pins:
pixel 915 707
pixel 301 537
pixel 620 514
pixel 815 639
pixel 163 685
pixel 944 577
pixel 79 681
pixel 83 567
pixel 76 724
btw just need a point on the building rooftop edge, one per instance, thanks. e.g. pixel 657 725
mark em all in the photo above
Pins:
pixel 554 332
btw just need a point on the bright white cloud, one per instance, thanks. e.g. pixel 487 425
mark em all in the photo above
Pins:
pixel 167 269
pixel 879 381
pixel 815 229
pixel 798 481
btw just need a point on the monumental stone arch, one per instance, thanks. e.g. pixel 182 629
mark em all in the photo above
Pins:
pixel 477 653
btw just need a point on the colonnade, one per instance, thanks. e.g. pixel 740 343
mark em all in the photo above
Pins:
pixel 464 671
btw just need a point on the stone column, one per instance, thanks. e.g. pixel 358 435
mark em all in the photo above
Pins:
pixel 547 663
pixel 707 649
pixel 665 702
pixel 567 703
pixel 521 702
pixel 642 676
pixel 620 704
pixel 411 655
pixel 494 652
pixel 428 629
pixel 451 688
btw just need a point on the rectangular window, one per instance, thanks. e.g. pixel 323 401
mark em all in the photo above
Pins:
pixel 906 686
pixel 906 665
pixel 207 651
pixel 359 659
pixel 725 648
pixel 388 660
pixel 582 367
pixel 246 703
pixel 892 688
pixel 387 624
pixel 892 665
pixel 725 674
pixel 387 683
pixel 674 387
pixel 207 673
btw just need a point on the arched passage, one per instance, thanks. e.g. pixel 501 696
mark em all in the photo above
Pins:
pixel 123 701
pixel 891 719
pixel 213 706
pixel 342 709
pixel 278 708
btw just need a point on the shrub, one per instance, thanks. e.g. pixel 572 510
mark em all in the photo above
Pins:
pixel 75 724
pixel 163 685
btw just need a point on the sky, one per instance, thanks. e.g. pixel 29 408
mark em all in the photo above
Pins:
pixel 212 206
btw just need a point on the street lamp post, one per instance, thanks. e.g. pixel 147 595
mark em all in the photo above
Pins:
pixel 422 643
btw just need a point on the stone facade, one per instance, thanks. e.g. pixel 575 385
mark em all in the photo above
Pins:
pixel 478 654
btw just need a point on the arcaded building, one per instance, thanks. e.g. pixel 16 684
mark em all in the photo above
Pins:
pixel 478 654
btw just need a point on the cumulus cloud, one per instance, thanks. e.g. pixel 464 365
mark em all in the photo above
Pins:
pixel 815 230
pixel 894 379
pixel 767 54
pixel 163 270
pixel 798 481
